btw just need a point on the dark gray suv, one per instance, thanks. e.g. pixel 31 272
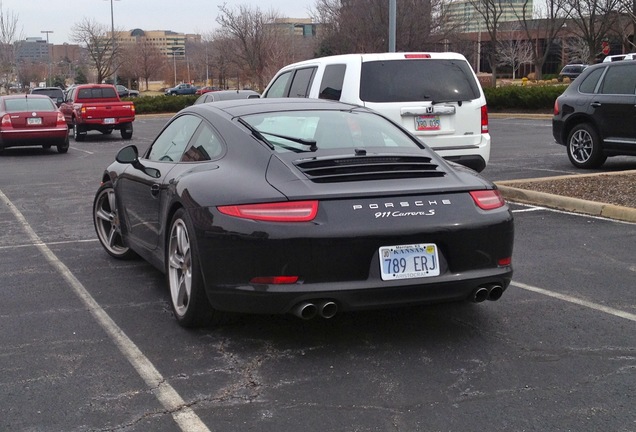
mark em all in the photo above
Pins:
pixel 596 115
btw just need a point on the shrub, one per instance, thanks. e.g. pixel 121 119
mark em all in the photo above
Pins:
pixel 523 98
pixel 162 104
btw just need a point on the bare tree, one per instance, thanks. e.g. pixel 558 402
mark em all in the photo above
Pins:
pixel 491 11
pixel 143 61
pixel 576 50
pixel 99 43
pixel 542 24
pixel 249 27
pixel 9 35
pixel 513 51
pixel 362 25
pixel 593 20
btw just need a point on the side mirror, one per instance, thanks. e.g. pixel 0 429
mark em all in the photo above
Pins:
pixel 130 155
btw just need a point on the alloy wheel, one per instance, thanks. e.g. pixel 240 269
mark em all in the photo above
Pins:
pixel 180 267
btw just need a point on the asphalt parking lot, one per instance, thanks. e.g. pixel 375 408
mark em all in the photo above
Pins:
pixel 89 343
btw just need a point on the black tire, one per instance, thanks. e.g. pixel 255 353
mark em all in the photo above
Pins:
pixel 63 147
pixel 584 147
pixel 106 221
pixel 127 131
pixel 78 133
pixel 188 299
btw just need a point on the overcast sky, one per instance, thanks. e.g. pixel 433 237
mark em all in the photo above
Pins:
pixel 185 16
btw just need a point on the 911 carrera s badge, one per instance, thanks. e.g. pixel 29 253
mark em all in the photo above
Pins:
pixel 403 208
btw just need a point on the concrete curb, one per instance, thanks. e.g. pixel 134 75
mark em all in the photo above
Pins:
pixel 576 205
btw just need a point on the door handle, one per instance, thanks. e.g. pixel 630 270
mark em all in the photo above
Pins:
pixel 595 104
pixel 154 190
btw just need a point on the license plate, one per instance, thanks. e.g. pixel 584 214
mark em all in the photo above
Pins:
pixel 427 123
pixel 109 121
pixel 34 120
pixel 409 261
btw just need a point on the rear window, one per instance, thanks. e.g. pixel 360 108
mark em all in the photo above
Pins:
pixel 328 129
pixel 52 93
pixel 417 80
pixel 29 104
pixel 97 93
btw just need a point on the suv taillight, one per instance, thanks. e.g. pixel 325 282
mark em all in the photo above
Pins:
pixel 484 119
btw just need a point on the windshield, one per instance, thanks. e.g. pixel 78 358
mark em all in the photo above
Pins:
pixel 417 80
pixel 300 131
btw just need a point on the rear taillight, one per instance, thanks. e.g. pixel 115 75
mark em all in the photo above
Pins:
pixel 488 199
pixel 556 107
pixel 60 119
pixel 295 211
pixel 484 119
pixel 6 121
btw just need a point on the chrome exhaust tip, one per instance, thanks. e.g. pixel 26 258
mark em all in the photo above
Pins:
pixel 327 309
pixel 305 310
pixel 495 293
pixel 480 294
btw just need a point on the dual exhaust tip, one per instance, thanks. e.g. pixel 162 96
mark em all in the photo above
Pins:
pixel 487 292
pixel 308 309
pixel 328 309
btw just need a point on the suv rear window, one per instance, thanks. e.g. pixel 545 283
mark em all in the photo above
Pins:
pixel 417 80
pixel 52 93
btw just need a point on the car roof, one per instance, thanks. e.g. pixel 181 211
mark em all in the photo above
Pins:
pixel 366 57
pixel 239 107
pixel 22 96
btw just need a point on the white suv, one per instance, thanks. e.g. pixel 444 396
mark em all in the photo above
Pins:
pixel 436 96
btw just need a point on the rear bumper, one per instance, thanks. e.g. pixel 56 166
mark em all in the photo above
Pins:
pixel 14 138
pixel 354 296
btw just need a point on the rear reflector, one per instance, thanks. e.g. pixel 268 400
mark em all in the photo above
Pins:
pixel 276 280
pixel 417 56
pixel 504 262
pixel 295 211
pixel 488 199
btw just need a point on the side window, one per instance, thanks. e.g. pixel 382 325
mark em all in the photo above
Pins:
pixel 205 145
pixel 331 85
pixel 277 89
pixel 589 84
pixel 302 82
pixel 170 145
pixel 620 80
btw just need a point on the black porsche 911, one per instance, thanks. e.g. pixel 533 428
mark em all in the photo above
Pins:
pixel 301 206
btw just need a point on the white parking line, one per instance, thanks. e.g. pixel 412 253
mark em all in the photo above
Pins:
pixel 182 414
pixel 577 301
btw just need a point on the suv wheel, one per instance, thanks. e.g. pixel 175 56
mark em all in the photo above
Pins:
pixel 584 147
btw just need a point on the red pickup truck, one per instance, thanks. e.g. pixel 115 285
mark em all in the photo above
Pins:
pixel 97 107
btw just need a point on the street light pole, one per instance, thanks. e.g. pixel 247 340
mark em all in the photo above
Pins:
pixel 112 36
pixel 48 50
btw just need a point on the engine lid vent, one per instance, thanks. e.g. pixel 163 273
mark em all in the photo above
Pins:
pixel 360 168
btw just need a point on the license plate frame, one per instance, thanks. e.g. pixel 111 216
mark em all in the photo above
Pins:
pixel 409 261
pixel 427 123
pixel 109 121
pixel 34 121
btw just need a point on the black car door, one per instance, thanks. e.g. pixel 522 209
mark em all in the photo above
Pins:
pixel 142 196
pixel 615 106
